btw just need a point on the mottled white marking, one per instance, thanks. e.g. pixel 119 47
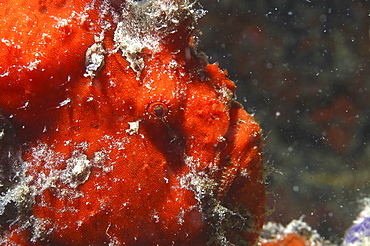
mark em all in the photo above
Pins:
pixel 145 23
pixel 133 127
pixel 94 59
pixel 63 103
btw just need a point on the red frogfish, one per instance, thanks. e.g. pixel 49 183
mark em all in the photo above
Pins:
pixel 114 130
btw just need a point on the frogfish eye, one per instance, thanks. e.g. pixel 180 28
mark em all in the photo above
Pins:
pixel 158 109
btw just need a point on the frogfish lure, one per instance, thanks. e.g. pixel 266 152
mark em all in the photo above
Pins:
pixel 114 130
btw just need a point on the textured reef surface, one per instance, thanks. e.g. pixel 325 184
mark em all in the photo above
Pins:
pixel 299 233
pixel 115 130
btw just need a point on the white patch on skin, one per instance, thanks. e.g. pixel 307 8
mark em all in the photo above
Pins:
pixel 145 23
pixel 130 47
pixel 133 127
pixel 77 171
pixel 63 103
pixel 94 59
pixel 80 166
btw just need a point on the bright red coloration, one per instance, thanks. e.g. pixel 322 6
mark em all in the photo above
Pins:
pixel 101 163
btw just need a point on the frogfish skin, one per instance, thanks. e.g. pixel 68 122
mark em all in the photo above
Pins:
pixel 114 130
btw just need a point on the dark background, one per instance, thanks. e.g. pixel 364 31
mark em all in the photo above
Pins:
pixel 302 68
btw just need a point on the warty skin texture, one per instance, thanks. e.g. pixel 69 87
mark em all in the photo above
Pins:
pixel 96 165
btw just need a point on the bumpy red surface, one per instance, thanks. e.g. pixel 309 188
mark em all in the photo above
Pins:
pixel 159 157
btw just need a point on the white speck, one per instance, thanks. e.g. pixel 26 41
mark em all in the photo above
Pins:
pixel 112 84
pixel 65 102
pixel 156 216
pixel 221 138
pixel 6 42
pixel 25 105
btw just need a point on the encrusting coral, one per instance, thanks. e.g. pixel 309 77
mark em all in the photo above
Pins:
pixel 114 130
pixel 296 233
